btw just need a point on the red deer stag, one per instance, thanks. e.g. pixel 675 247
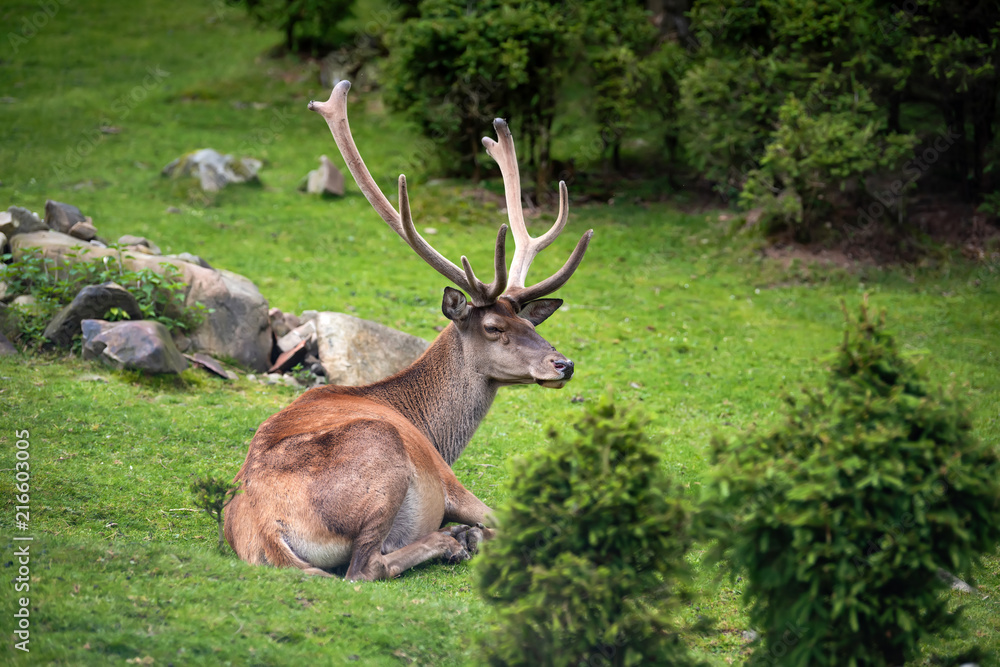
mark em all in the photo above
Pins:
pixel 362 475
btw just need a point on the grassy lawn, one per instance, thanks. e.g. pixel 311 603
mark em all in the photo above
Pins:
pixel 669 311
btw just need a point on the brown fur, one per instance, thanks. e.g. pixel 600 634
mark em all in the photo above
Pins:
pixel 362 476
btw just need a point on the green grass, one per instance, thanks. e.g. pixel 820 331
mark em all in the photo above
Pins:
pixel 669 311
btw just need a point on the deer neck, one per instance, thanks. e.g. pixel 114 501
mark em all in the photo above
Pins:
pixel 441 394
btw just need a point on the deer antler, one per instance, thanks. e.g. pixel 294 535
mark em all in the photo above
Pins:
pixel 334 111
pixel 527 248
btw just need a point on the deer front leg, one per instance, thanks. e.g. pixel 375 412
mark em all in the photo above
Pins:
pixel 462 507
pixel 369 565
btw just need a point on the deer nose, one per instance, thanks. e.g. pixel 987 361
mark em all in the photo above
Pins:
pixel 564 366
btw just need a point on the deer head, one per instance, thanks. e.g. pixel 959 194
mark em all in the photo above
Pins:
pixel 497 329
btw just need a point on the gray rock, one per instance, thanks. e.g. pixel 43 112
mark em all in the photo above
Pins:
pixel 292 321
pixel 296 336
pixel 955 583
pixel 308 315
pixel 3 241
pixel 83 231
pixel 6 224
pixel 61 217
pixel 213 170
pixel 6 347
pixel 193 259
pixel 139 242
pixel 278 324
pixel 182 342
pixel 141 345
pixel 356 352
pixel 236 328
pixel 326 180
pixel 22 221
pixel 209 364
pixel 91 303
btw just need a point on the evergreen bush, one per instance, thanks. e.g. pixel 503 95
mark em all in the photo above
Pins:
pixel 590 552
pixel 843 516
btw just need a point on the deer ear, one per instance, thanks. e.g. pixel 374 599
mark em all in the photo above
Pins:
pixel 454 306
pixel 539 310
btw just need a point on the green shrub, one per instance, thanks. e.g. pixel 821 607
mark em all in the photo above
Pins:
pixel 590 552
pixel 842 516
pixel 160 295
pixel 211 495
pixel 458 66
pixel 308 26
pixel 817 162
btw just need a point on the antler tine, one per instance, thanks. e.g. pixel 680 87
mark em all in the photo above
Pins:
pixel 334 111
pixel 527 248
pixel 522 295
pixel 426 252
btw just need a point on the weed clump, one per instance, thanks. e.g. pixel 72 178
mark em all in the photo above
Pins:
pixel 159 295
pixel 590 552
pixel 843 516
pixel 212 494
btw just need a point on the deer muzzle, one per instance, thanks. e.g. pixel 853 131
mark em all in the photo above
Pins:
pixel 563 368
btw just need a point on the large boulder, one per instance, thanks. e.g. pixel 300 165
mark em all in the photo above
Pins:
pixel 91 303
pixel 237 326
pixel 141 345
pixel 355 352
pixel 61 217
pixel 6 347
pixel 213 170
pixel 20 221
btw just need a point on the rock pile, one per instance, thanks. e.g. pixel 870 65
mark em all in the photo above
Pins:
pixel 340 349
pixel 310 348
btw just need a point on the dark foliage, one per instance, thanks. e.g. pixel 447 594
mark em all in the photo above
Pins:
pixel 842 517
pixel 590 552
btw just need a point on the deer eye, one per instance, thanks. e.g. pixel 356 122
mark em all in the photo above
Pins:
pixel 493 330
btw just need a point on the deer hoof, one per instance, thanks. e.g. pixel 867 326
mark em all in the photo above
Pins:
pixel 468 536
pixel 456 554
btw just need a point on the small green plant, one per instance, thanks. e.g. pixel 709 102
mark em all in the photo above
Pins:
pixel 212 494
pixel 302 375
pixel 843 516
pixel 590 552
pixel 991 204
pixel 116 315
pixel 160 295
